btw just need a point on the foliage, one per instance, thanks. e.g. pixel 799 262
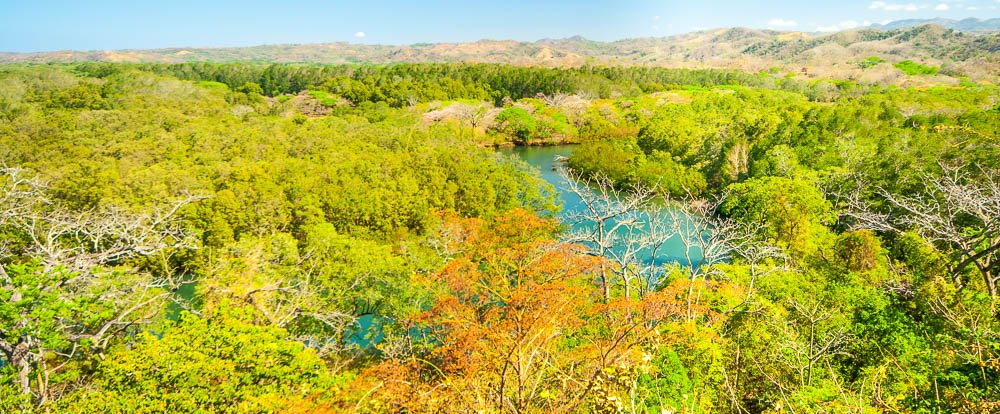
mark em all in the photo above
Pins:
pixel 517 122
pixel 870 61
pixel 793 211
pixel 912 68
pixel 213 363
pixel 518 327
pixel 250 237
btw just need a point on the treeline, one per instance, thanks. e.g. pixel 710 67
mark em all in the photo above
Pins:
pixel 407 84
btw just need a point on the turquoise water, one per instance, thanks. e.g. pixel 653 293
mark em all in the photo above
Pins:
pixel 544 160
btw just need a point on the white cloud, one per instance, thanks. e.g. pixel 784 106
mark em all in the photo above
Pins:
pixel 655 18
pixel 971 8
pixel 844 25
pixel 881 5
pixel 781 23
pixel 359 34
pixel 941 7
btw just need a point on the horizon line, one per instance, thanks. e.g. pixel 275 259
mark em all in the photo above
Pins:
pixel 874 26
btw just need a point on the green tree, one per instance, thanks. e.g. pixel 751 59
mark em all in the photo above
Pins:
pixel 517 123
pixel 216 363
pixel 794 210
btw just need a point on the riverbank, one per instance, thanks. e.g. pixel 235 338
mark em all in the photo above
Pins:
pixel 567 141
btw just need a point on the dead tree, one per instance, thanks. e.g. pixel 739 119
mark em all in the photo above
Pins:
pixel 623 226
pixel 287 296
pixel 80 256
pixel 756 253
pixel 573 106
pixel 474 115
pixel 708 239
pixel 959 209
pixel 616 224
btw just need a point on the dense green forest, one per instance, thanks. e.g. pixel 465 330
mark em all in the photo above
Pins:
pixel 305 238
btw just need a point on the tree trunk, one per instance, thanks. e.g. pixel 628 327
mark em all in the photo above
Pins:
pixel 607 288
pixel 605 282
pixel 625 283
pixel 20 360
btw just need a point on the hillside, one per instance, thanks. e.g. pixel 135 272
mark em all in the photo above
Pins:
pixel 836 55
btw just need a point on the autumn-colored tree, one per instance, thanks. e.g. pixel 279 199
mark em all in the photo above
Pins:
pixel 520 326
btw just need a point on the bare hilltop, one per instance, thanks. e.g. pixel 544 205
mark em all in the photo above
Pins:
pixel 869 54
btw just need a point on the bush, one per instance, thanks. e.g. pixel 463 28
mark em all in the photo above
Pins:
pixel 912 68
pixel 217 363
pixel 859 251
pixel 517 122
pixel 869 62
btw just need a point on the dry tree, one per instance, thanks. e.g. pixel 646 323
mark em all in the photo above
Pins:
pixel 63 257
pixel 958 209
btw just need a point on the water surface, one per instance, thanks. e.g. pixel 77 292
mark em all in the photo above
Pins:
pixel 543 158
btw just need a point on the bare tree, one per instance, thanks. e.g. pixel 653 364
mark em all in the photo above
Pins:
pixel 624 226
pixel 708 239
pixel 615 225
pixel 959 209
pixel 79 253
pixel 18 192
pixel 812 340
pixel 287 296
pixel 472 114
pixel 555 100
pixel 573 106
pixel 650 246
pixel 301 301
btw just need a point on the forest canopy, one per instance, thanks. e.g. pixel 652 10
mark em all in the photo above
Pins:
pixel 329 238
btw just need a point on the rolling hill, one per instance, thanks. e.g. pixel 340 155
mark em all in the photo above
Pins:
pixel 832 55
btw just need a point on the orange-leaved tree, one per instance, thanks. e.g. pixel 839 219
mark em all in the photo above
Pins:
pixel 520 325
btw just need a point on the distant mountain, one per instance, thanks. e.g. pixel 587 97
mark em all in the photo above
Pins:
pixel 832 55
pixel 966 25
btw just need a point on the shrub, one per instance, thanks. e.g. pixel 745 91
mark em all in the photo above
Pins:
pixel 912 68
pixel 870 61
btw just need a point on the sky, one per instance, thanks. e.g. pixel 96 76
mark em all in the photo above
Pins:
pixel 40 25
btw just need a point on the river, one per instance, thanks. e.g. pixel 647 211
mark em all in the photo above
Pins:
pixel 543 158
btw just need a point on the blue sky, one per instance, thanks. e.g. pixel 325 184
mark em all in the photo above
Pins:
pixel 38 25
